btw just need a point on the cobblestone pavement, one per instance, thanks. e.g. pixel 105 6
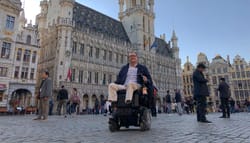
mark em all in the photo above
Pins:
pixel 94 129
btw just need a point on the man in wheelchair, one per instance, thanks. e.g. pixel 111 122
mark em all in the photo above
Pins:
pixel 131 77
pixel 133 80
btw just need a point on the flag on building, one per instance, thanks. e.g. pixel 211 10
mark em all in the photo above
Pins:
pixel 69 74
pixel 154 45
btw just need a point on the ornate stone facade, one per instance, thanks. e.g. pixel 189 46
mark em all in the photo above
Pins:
pixel 19 56
pixel 22 84
pixel 95 46
pixel 237 75
pixel 9 14
pixel 240 79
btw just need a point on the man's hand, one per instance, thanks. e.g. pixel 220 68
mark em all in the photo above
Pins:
pixel 145 79
pixel 45 98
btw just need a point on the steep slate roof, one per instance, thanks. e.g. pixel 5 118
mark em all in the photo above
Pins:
pixel 86 17
pixel 163 48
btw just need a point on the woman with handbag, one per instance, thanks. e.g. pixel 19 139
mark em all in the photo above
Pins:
pixel 74 100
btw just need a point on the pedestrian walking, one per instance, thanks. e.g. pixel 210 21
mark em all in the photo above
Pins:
pixel 232 105
pixel 96 108
pixel 247 105
pixel 45 93
pixel 62 101
pixel 178 101
pixel 74 101
pixel 224 98
pixel 200 92
pixel 168 102
pixel 51 106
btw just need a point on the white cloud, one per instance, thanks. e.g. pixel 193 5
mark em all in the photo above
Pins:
pixel 31 8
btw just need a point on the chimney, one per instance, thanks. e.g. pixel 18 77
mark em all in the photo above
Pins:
pixel 228 59
pixel 164 37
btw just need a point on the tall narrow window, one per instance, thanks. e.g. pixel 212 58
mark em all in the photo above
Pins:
pixel 96 78
pixel 91 51
pixel 133 3
pixel 149 26
pixel 104 55
pixel 74 48
pixel 6 47
pixel 10 22
pixel 104 79
pixel 24 74
pixel 117 58
pixel 143 23
pixel 28 39
pixel 3 71
pixel 16 74
pixel 82 50
pixel 73 75
pixel 19 54
pixel 32 73
pixel 121 59
pixel 34 56
pixel 110 55
pixel 80 79
pixel 144 42
pixel 110 78
pixel 1 96
pixel 97 53
pixel 89 77
pixel 26 56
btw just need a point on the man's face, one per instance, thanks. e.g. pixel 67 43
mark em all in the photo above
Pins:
pixel 44 75
pixel 133 58
pixel 201 69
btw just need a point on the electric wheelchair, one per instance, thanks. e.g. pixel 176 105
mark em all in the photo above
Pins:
pixel 137 113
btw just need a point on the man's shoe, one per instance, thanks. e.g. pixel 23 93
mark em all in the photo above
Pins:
pixel 128 101
pixel 223 117
pixel 44 120
pixel 205 121
pixel 37 119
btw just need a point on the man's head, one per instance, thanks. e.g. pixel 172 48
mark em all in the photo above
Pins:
pixel 45 74
pixel 222 79
pixel 133 59
pixel 201 67
pixel 62 86
pixel 167 91
pixel 74 90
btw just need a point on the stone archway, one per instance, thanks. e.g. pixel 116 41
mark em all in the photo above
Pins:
pixel 20 98
pixel 85 101
pixel 102 103
pixel 93 99
pixel 158 104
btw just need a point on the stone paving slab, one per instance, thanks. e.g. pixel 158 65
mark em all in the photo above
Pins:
pixel 94 129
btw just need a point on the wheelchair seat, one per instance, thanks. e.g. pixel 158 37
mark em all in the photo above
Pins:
pixel 137 113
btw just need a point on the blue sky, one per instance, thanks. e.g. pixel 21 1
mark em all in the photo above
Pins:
pixel 209 26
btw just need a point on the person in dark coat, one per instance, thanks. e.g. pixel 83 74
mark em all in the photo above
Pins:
pixel 63 97
pixel 200 92
pixel 131 77
pixel 169 102
pixel 232 105
pixel 224 98
pixel 178 101
pixel 45 93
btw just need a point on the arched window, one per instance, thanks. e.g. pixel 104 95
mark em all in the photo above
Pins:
pixel 133 3
pixel 28 40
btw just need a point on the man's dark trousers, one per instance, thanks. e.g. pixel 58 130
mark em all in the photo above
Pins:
pixel 225 107
pixel 201 108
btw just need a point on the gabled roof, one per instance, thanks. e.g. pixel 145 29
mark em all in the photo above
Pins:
pixel 163 48
pixel 86 17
